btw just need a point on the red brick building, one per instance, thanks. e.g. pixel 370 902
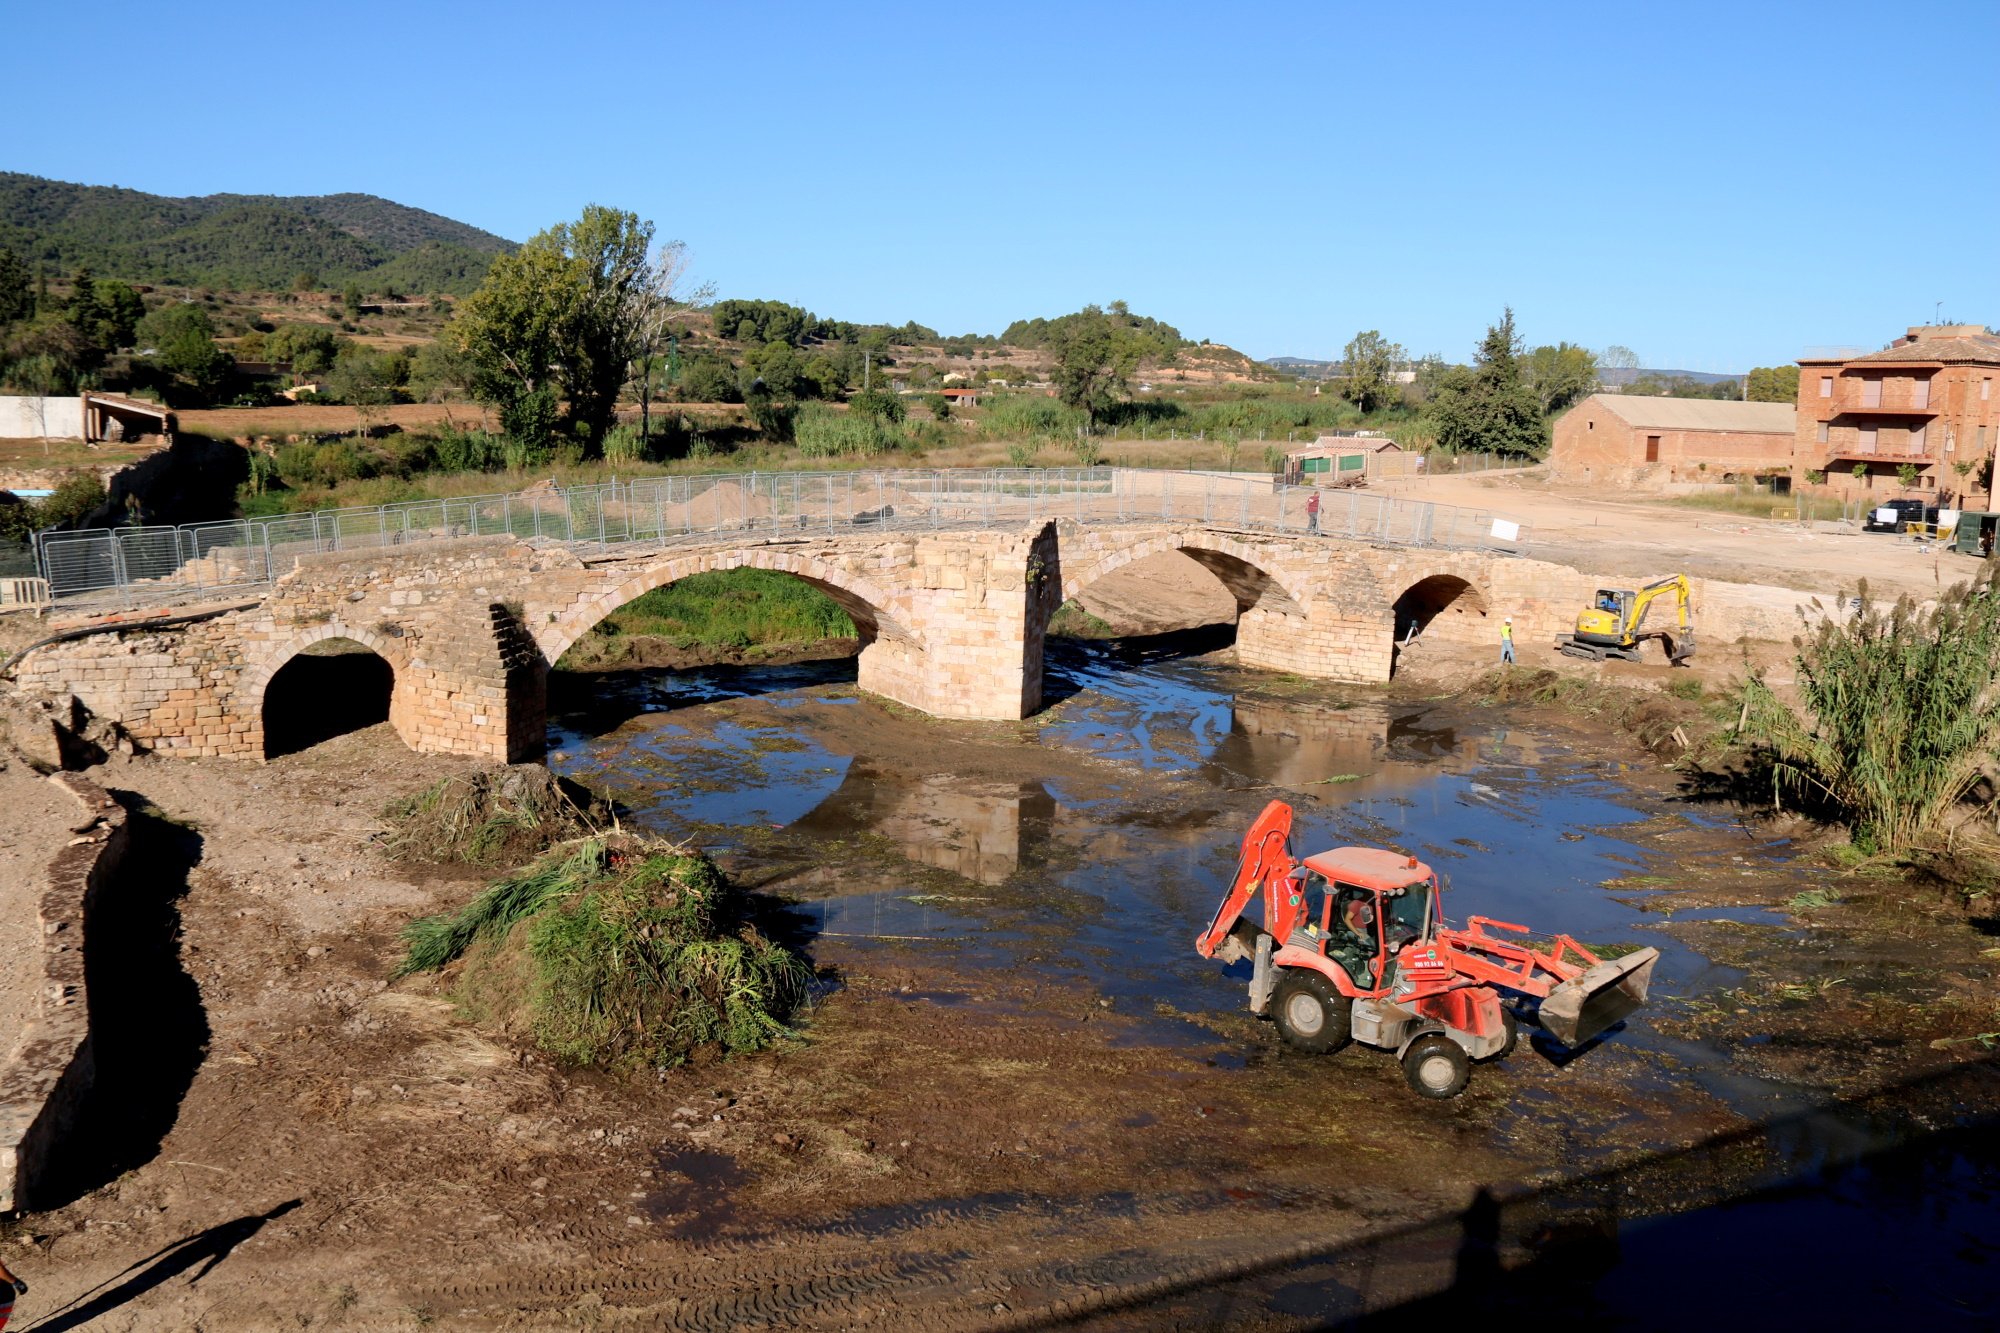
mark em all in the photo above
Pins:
pixel 1928 400
pixel 1646 443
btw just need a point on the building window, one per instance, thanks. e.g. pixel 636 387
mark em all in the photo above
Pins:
pixel 1982 439
pixel 1826 386
pixel 1985 388
pixel 1920 392
pixel 1652 448
pixel 1917 434
pixel 1825 429
pixel 1590 425
pixel 1871 391
pixel 1866 440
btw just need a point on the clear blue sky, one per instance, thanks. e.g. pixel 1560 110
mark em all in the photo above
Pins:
pixel 1714 186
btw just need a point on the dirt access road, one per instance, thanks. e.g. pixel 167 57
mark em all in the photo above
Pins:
pixel 1578 526
pixel 963 1139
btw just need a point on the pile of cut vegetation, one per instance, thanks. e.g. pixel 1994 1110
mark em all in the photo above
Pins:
pixel 495 817
pixel 614 952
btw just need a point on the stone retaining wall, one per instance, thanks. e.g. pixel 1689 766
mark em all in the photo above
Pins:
pixel 53 1068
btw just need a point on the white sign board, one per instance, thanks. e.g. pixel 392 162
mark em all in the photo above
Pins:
pixel 1888 515
pixel 1505 531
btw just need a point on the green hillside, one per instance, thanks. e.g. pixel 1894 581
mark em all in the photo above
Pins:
pixel 240 241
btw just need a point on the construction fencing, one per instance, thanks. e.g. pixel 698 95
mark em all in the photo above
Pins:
pixel 143 564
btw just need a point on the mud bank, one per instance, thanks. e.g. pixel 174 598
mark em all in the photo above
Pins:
pixel 1021 1095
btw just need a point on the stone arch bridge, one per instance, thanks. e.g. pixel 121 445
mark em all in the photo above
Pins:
pixel 951 622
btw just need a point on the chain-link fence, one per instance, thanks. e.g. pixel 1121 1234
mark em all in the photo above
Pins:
pixel 134 564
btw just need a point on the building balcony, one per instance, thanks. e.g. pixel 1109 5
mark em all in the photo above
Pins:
pixel 1854 411
pixel 1855 453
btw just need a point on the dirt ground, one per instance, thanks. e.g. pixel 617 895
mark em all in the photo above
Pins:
pixel 943 1149
pixel 1573 524
pixel 39 823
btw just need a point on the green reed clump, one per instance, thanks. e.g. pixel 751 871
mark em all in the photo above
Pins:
pixel 611 955
pixel 493 817
pixel 1900 713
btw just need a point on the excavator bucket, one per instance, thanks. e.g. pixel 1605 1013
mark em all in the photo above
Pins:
pixel 1586 1005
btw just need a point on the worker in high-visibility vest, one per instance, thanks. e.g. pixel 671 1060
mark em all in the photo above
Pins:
pixel 1507 641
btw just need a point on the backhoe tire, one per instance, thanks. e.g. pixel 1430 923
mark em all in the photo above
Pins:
pixel 1436 1067
pixel 1311 1013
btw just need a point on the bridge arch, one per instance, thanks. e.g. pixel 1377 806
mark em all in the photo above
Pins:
pixel 1443 607
pixel 337 702
pixel 1250 575
pixel 876 613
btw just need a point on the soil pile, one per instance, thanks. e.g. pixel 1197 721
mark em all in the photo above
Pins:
pixel 497 817
pixel 721 505
pixel 614 953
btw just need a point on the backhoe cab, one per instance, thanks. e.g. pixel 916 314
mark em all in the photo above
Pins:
pixel 1354 947
pixel 1613 624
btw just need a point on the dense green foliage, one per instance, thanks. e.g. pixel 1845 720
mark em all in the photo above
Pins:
pixel 1774 384
pixel 1557 376
pixel 730 608
pixel 1147 338
pixel 239 241
pixel 1900 716
pixel 616 956
pixel 1368 370
pixel 1488 406
pixel 73 499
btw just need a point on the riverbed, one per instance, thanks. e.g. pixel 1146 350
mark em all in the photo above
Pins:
pixel 1082 851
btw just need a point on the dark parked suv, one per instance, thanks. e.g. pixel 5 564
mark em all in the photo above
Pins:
pixel 1891 515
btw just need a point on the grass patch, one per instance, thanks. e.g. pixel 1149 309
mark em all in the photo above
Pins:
pixel 503 816
pixel 1763 504
pixel 615 953
pixel 1071 621
pixel 1812 898
pixel 726 608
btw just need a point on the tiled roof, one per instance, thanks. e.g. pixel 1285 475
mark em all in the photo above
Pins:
pixel 1699 413
pixel 1976 349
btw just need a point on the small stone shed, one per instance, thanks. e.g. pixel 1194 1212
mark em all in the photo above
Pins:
pixel 1336 460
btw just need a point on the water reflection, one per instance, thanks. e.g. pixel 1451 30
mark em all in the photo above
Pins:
pixel 976 830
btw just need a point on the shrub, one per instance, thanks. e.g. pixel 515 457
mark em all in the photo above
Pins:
pixel 469 451
pixel 1901 708
pixel 877 403
pixel 823 431
pixel 623 444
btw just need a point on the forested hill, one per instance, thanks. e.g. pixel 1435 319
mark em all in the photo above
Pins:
pixel 240 241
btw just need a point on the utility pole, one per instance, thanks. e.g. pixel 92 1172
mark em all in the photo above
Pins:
pixel 867 358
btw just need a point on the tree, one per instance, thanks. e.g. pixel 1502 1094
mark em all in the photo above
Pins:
pixel 183 340
pixel 1774 384
pixel 120 310
pixel 1906 473
pixel 661 310
pixel 310 349
pixel 350 300
pixel 560 319
pixel 1559 375
pixel 1093 362
pixel 1368 371
pixel 17 298
pixel 1616 357
pixel 1487 406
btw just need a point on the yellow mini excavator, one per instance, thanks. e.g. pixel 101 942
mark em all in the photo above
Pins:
pixel 1611 625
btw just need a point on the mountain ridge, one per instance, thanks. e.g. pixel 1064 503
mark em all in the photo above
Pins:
pixel 240 241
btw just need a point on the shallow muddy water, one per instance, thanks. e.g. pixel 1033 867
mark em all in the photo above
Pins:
pixel 1091 845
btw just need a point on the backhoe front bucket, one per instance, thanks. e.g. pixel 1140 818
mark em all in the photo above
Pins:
pixel 1584 1006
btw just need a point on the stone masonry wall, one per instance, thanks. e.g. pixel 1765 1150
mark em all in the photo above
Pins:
pixel 52 1070
pixel 952 623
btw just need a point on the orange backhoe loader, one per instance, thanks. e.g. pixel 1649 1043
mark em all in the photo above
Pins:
pixel 1376 963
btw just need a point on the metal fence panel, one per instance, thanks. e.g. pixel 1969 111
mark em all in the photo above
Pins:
pixel 161 561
